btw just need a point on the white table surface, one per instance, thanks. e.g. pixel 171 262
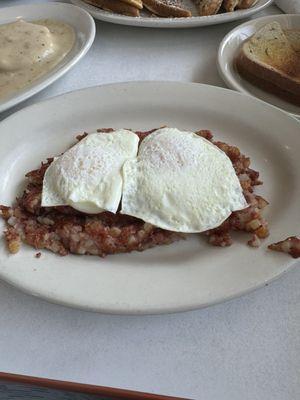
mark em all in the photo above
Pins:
pixel 248 348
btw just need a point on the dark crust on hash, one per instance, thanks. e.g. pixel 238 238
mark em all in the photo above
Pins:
pixel 64 230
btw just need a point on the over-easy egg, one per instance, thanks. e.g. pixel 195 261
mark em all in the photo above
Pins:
pixel 88 176
pixel 180 182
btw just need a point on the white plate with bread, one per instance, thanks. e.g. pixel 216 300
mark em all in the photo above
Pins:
pixel 262 58
pixel 171 13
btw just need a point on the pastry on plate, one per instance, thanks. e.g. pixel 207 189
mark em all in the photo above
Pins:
pixel 167 8
pixel 170 8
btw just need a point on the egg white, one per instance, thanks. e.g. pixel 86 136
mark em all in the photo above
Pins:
pixel 180 182
pixel 88 176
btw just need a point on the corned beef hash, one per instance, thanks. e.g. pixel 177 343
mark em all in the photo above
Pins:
pixel 116 191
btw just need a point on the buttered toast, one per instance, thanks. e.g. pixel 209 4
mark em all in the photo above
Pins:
pixel 269 60
pixel 293 36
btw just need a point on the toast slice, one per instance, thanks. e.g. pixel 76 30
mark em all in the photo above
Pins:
pixel 116 6
pixel 166 8
pixel 269 61
pixel 293 36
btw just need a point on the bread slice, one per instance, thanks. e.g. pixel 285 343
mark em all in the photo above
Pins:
pixel 269 61
pixel 166 8
pixel 293 36
pixel 116 6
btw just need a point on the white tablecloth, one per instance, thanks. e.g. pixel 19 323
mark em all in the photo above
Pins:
pixel 248 348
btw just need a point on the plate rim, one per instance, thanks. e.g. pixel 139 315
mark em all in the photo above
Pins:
pixel 157 22
pixel 228 78
pixel 119 309
pixel 146 82
pixel 51 77
pixel 146 311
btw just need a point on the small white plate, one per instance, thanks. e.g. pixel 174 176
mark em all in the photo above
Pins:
pixel 229 49
pixel 187 274
pixel 83 25
pixel 147 20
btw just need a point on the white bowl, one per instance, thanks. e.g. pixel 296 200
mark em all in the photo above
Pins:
pixel 83 25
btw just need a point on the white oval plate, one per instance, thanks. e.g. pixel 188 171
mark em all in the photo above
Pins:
pixel 146 20
pixel 83 25
pixel 187 274
pixel 229 49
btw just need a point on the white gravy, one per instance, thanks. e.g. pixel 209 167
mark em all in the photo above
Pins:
pixel 29 50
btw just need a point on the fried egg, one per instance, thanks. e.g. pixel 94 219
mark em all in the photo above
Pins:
pixel 88 177
pixel 180 182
